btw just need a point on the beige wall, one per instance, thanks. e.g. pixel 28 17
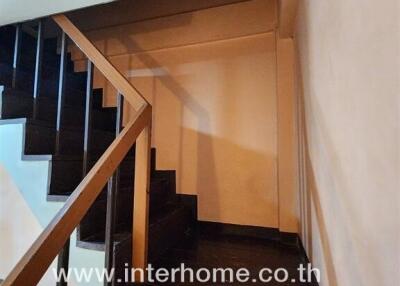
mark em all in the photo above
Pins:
pixel 211 78
pixel 349 57
pixel 287 138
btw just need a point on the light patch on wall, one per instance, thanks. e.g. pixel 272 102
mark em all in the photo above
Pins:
pixel 147 72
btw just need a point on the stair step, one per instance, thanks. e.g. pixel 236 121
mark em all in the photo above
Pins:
pixel 74 83
pixel 27 58
pixel 57 198
pixel 7 36
pixel 65 185
pixel 17 105
pixel 96 241
pixel 166 226
pixel 27 52
pixel 165 231
pixel 40 138
pixel 70 100
pixel 49 75
pixel 95 219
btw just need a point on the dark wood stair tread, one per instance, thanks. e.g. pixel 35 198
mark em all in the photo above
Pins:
pixel 40 138
pixel 62 185
pixel 158 223
pixel 49 80
pixel 53 99
pixel 21 105
pixel 77 129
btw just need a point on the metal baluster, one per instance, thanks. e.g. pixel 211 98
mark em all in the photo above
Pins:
pixel 63 256
pixel 88 118
pixel 112 193
pixel 38 67
pixel 17 45
pixel 61 91
pixel 62 264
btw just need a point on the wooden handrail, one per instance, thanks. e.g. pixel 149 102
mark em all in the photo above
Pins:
pixel 123 86
pixel 38 258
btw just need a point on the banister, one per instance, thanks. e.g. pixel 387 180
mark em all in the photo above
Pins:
pixel 38 258
pixel 40 255
pixel 123 86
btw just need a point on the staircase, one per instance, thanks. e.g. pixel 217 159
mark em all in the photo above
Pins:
pixel 55 127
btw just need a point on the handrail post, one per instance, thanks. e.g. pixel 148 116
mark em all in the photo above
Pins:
pixel 88 119
pixel 62 264
pixel 17 45
pixel 112 195
pixel 141 200
pixel 61 91
pixel 63 257
pixel 38 67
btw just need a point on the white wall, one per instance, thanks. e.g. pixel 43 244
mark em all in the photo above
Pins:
pixel 349 56
pixel 24 211
pixel 14 11
pixel 21 231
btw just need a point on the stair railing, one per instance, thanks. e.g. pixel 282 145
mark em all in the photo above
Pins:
pixel 51 241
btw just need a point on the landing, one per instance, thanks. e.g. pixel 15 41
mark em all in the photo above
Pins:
pixel 209 250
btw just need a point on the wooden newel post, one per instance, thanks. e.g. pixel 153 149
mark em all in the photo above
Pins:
pixel 141 200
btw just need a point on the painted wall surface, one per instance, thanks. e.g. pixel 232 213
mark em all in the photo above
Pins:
pixel 21 231
pixel 288 186
pixel 24 211
pixel 350 72
pixel 211 78
pixel 14 11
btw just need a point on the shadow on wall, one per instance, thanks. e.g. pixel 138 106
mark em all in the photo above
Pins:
pixel 238 170
pixel 204 143
pixel 313 202
pixel 322 228
pixel 312 206
pixel 348 235
pixel 214 104
pixel 234 183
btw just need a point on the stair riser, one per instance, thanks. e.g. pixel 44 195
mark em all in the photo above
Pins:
pixel 41 140
pixel 48 87
pixel 64 185
pixel 46 110
pixel 161 238
pixel 27 58
pixel 95 220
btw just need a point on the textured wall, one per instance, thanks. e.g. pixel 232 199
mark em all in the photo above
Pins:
pixel 349 55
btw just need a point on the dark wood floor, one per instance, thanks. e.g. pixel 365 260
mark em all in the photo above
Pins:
pixel 205 249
